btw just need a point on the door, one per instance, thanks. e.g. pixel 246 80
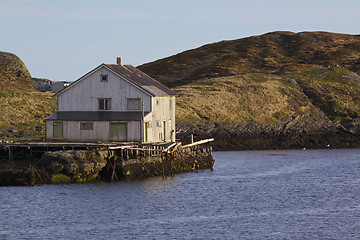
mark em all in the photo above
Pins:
pixel 118 131
pixel 58 130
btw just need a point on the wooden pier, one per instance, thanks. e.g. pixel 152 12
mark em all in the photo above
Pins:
pixel 49 162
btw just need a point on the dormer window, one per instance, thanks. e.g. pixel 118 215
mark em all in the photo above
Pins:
pixel 103 78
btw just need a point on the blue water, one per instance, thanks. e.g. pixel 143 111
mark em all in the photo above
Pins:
pixel 296 194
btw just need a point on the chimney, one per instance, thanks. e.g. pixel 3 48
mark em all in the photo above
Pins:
pixel 119 61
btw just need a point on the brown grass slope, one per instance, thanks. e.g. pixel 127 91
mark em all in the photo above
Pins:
pixel 325 95
pixel 276 83
pixel 272 53
pixel 14 76
pixel 22 107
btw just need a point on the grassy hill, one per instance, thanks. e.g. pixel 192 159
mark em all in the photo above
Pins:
pixel 23 107
pixel 14 76
pixel 272 53
pixel 265 79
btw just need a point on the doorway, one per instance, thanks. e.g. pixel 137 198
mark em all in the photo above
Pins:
pixel 58 130
pixel 118 131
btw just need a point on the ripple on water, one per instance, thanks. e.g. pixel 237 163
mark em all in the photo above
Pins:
pixel 249 195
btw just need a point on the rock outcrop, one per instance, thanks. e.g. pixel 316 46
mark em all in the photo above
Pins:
pixel 43 84
pixel 54 167
pixel 293 134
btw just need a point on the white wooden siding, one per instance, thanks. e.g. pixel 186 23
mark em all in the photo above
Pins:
pixel 100 132
pixel 162 113
pixel 83 96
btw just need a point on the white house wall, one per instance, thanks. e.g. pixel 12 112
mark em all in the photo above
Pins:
pixel 163 113
pixel 83 96
pixel 100 132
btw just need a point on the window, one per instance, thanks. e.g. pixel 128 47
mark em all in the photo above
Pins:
pixel 133 104
pixel 157 102
pixel 170 104
pixel 86 125
pixel 103 78
pixel 104 103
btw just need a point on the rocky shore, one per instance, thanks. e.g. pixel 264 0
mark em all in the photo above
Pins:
pixel 53 167
pixel 297 133
pixel 101 165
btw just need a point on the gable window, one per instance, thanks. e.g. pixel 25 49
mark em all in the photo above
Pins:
pixel 103 78
pixel 133 104
pixel 104 103
pixel 86 125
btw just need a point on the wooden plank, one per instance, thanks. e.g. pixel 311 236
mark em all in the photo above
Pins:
pixel 199 142
pixel 121 147
pixel 167 149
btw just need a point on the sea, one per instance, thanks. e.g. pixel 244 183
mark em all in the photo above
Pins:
pixel 292 194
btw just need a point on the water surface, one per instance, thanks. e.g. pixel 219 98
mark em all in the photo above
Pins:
pixel 250 195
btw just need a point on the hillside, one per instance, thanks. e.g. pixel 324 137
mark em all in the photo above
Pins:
pixel 14 76
pixel 23 107
pixel 272 53
pixel 266 98
pixel 293 85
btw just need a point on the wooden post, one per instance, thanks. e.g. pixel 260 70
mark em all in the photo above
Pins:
pixel 10 153
pixel 142 127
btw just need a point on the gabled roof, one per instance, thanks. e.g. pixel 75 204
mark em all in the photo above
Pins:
pixel 134 76
pixel 141 79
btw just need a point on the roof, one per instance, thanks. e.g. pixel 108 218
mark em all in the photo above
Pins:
pixel 141 79
pixel 133 75
pixel 97 116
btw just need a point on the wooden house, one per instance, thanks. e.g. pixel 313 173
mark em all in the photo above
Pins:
pixel 114 102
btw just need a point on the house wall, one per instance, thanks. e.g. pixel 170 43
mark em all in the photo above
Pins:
pixel 83 96
pixel 100 132
pixel 162 114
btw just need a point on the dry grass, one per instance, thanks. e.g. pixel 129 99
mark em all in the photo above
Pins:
pixel 268 98
pixel 271 53
pixel 238 99
pixel 25 111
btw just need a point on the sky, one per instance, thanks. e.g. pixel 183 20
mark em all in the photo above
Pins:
pixel 62 40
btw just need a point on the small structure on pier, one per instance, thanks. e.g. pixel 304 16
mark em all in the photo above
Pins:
pixel 114 103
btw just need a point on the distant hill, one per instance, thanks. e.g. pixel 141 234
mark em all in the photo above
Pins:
pixel 14 76
pixel 272 53
pixel 43 84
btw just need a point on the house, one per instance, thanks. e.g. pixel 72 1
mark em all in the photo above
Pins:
pixel 114 102
pixel 58 86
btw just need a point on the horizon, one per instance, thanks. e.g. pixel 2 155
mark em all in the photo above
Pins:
pixel 63 39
